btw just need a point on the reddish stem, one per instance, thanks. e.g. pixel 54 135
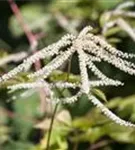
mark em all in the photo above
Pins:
pixel 32 40
pixel 25 27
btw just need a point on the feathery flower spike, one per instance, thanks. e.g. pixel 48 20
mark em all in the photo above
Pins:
pixel 90 49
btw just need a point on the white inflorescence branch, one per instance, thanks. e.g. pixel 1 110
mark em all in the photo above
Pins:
pixel 108 113
pixel 120 16
pixel 125 5
pixel 45 52
pixel 90 49
pixel 61 85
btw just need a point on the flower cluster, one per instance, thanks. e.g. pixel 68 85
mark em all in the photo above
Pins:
pixel 89 49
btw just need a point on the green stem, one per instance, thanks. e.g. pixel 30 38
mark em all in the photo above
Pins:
pixel 51 127
pixel 55 110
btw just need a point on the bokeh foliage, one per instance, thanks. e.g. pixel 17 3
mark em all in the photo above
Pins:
pixel 78 126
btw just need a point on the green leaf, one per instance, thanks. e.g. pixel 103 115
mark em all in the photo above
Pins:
pixel 114 40
pixel 34 16
pixel 112 31
pixel 62 76
pixel 91 135
pixel 26 110
pixel 108 4
pixel 99 94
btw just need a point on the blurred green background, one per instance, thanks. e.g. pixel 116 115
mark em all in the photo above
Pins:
pixel 79 126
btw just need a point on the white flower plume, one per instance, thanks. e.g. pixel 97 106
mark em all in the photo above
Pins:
pixel 90 49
